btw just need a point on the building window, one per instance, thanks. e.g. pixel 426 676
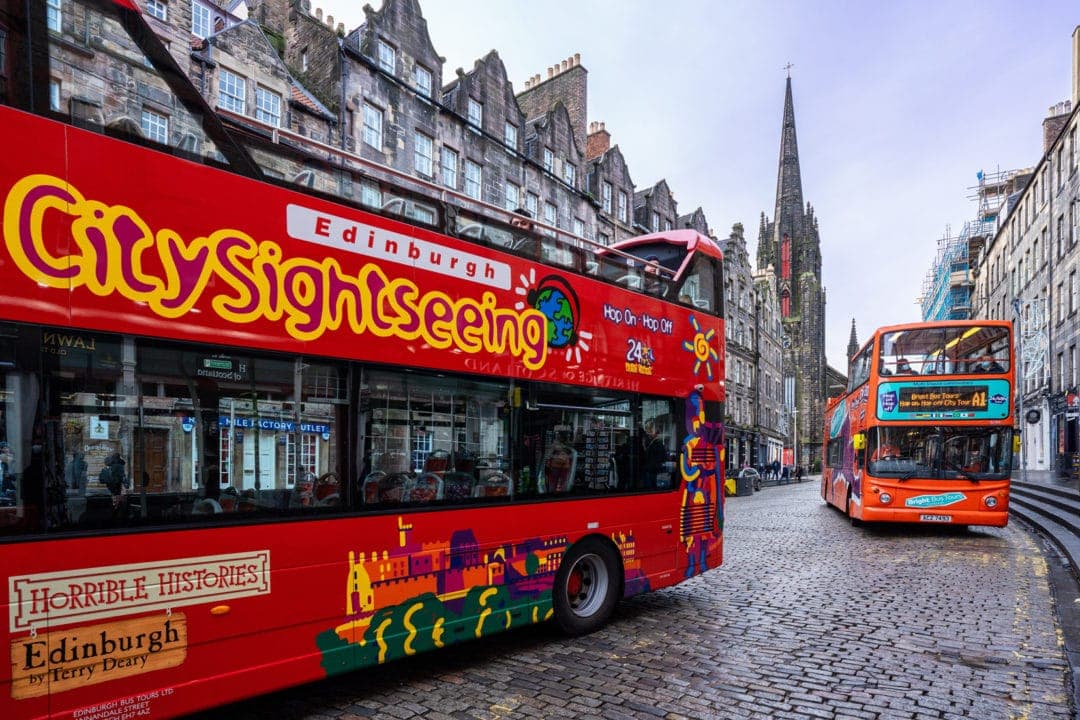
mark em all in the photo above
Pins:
pixel 54 94
pixel 475 114
pixel 605 197
pixel 1072 292
pixel 370 195
pixel 53 17
pixel 551 214
pixel 1072 150
pixel 532 202
pixel 513 197
pixel 423 155
pixel 473 179
pixel 372 131
pixel 510 136
pixel 1072 222
pixel 448 161
pixel 231 91
pixel 579 227
pixel 549 160
pixel 155 126
pixel 422 77
pixel 200 20
pixel 158 8
pixel 655 222
pixel 624 213
pixel 667 225
pixel 1072 366
pixel 267 107
pixel 387 57
pixel 304 60
pixel 569 173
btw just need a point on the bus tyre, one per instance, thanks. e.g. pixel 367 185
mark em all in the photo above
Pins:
pixel 586 587
pixel 855 522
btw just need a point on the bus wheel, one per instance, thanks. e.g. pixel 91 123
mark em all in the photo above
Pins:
pixel 855 522
pixel 586 587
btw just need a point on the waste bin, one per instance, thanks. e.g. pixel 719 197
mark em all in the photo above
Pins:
pixel 744 485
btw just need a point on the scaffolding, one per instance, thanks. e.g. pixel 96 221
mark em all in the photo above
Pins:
pixel 947 287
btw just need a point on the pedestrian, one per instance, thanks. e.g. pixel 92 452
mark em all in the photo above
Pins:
pixel 776 470
pixel 785 475
pixel 798 473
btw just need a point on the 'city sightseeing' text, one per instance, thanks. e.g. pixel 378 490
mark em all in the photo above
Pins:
pixel 114 251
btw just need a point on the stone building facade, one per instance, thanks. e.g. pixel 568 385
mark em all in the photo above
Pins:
pixel 1029 271
pixel 769 337
pixel 740 300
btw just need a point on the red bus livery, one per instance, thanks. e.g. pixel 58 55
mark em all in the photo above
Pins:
pixel 255 433
pixel 925 430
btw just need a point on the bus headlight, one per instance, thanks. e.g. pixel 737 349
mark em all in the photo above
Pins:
pixel 990 501
pixel 885 498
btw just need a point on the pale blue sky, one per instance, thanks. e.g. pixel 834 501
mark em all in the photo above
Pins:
pixel 897 106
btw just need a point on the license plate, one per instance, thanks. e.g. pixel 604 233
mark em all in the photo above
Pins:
pixel 935 518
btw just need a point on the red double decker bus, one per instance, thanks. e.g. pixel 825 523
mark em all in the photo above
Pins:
pixel 253 435
pixel 925 431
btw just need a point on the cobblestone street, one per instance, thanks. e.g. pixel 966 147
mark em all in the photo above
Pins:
pixel 808 618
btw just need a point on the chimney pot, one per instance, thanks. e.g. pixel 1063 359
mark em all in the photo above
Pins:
pixel 551 72
pixel 318 13
pixel 577 58
pixel 330 20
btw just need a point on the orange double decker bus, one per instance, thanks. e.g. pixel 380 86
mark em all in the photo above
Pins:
pixel 924 432
pixel 254 432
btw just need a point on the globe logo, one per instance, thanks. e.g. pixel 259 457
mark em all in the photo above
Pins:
pixel 559 307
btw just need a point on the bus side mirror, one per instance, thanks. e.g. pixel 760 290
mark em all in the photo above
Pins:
pixel 858 441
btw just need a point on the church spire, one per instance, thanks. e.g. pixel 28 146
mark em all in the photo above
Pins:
pixel 788 218
pixel 853 344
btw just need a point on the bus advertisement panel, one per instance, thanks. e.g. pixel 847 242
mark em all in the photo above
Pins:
pixel 924 432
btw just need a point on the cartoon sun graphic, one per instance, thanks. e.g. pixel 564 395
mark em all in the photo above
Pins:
pixel 554 297
pixel 704 353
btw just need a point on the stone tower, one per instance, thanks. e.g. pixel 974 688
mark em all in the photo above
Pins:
pixel 791 244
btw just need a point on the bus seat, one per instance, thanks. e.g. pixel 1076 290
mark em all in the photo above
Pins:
pixel 496 484
pixel 369 489
pixel 457 485
pixel 426 488
pixel 206 506
pixel 392 487
pixel 437 462
pixel 558 468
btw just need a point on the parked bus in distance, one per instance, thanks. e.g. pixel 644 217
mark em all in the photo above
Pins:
pixel 257 429
pixel 924 433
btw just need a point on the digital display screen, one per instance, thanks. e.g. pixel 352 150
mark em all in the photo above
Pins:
pixel 942 398
pixel 959 400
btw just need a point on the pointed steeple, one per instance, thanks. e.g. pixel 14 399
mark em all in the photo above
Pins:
pixel 853 343
pixel 788 218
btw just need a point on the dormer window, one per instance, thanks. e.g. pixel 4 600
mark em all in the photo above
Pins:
pixel 200 20
pixel 387 57
pixel 476 113
pixel 422 76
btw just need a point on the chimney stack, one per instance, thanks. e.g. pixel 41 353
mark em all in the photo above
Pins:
pixel 598 141
pixel 1076 66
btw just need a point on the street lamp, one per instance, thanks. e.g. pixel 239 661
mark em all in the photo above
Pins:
pixel 1019 362
pixel 795 444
